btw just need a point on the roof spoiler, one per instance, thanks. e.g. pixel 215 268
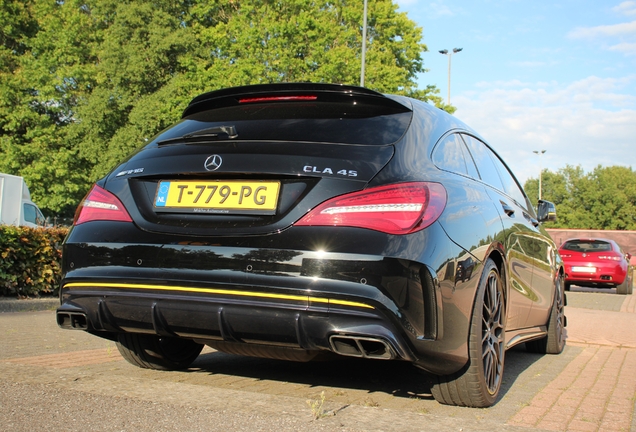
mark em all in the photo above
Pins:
pixel 287 92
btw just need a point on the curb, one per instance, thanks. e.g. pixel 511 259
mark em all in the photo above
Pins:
pixel 29 305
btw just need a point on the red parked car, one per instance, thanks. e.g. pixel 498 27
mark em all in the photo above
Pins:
pixel 597 263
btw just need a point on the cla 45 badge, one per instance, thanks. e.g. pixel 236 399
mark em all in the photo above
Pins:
pixel 316 170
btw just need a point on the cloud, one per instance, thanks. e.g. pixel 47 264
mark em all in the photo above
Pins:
pixel 621 29
pixel 625 48
pixel 626 8
pixel 586 122
pixel 434 9
pixel 624 34
pixel 531 64
pixel 440 9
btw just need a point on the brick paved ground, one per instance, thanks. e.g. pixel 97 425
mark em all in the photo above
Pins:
pixel 629 305
pixel 590 387
pixel 596 392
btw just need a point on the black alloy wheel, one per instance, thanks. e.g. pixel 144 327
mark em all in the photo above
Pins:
pixel 478 384
pixel 554 342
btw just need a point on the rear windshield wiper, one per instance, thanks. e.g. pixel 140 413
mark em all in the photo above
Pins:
pixel 203 135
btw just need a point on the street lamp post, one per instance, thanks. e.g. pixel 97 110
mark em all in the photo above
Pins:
pixel 449 54
pixel 539 153
pixel 364 44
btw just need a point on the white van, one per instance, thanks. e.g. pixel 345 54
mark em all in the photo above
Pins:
pixel 16 207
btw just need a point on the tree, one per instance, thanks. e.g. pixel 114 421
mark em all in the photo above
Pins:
pixel 602 199
pixel 45 70
pixel 86 82
pixel 609 198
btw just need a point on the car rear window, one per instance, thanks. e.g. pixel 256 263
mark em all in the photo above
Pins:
pixel 307 121
pixel 587 246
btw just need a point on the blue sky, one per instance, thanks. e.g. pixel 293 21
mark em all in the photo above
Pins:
pixel 546 75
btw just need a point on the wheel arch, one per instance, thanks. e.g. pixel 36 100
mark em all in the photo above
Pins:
pixel 498 258
pixel 559 274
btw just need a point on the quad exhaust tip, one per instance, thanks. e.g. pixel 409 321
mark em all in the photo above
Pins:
pixel 72 320
pixel 358 346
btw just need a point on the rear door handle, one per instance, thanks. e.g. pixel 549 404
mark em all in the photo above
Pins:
pixel 507 209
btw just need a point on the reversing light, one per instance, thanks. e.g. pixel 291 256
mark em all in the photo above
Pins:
pixel 402 208
pixel 99 204
pixel 278 98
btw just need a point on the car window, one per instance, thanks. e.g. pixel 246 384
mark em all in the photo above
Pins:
pixel 451 155
pixel 509 183
pixel 484 161
pixel 506 181
pixel 347 123
pixel 30 213
pixel 587 246
pixel 40 220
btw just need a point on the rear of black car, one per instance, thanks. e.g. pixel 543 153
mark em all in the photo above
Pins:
pixel 269 221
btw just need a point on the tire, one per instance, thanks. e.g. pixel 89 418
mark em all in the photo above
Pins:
pixel 478 383
pixel 554 342
pixel 624 288
pixel 157 352
pixel 567 286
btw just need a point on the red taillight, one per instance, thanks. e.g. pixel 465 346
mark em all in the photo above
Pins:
pixel 287 98
pixel 401 208
pixel 610 257
pixel 99 204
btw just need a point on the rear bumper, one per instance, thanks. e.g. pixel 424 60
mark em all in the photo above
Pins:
pixel 608 275
pixel 222 293
pixel 298 319
pixel 248 321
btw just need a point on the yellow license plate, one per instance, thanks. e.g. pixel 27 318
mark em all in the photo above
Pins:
pixel 220 197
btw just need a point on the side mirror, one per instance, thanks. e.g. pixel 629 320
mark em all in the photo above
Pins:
pixel 546 211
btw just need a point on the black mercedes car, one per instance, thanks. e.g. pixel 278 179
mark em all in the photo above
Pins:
pixel 289 221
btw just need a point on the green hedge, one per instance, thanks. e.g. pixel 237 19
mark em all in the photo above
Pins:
pixel 30 260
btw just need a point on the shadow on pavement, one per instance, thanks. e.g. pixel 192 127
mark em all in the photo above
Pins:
pixel 575 288
pixel 395 378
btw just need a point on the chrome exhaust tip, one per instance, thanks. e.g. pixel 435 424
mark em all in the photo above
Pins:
pixel 72 320
pixel 359 346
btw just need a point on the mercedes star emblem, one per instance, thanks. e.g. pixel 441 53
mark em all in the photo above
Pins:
pixel 212 163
